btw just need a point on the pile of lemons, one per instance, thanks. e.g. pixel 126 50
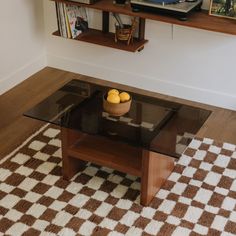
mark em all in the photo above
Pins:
pixel 114 96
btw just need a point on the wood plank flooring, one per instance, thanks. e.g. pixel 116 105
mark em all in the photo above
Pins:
pixel 15 128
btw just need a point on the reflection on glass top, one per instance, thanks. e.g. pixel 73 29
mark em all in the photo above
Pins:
pixel 154 124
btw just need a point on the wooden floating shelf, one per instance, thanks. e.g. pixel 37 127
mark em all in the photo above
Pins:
pixel 108 40
pixel 200 20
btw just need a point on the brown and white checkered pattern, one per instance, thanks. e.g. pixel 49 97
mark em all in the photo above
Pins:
pixel 199 198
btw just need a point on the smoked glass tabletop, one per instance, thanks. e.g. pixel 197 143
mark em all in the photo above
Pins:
pixel 154 124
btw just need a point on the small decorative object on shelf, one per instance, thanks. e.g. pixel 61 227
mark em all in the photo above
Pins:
pixel 124 32
pixel 223 8
pixel 116 103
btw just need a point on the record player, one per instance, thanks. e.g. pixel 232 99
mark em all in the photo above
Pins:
pixel 178 8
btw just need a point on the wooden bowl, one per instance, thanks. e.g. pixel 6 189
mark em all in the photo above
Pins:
pixel 116 109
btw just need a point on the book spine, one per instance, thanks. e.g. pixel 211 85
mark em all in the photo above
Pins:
pixel 58 17
pixel 72 19
pixel 63 22
pixel 68 30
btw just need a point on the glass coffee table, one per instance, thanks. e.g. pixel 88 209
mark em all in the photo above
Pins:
pixel 144 142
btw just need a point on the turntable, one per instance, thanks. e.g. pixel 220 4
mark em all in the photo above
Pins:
pixel 177 8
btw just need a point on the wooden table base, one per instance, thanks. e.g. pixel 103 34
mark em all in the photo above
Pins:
pixel 155 170
pixel 79 148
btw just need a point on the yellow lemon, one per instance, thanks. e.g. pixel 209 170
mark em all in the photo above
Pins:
pixel 113 98
pixel 114 91
pixel 124 97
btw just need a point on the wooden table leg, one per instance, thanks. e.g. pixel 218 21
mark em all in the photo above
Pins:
pixel 70 165
pixel 155 170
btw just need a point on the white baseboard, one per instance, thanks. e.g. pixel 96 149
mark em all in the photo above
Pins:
pixel 22 73
pixel 197 94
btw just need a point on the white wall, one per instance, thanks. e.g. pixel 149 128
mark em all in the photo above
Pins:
pixel 22 42
pixel 184 62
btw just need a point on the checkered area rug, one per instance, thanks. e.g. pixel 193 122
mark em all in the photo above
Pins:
pixel 198 198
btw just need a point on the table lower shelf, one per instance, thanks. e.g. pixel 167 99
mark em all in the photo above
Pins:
pixel 104 152
pixel 108 39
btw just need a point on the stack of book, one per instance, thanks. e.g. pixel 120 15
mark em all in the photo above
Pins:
pixel 72 20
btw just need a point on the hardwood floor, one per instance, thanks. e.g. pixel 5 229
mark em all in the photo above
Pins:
pixel 15 128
